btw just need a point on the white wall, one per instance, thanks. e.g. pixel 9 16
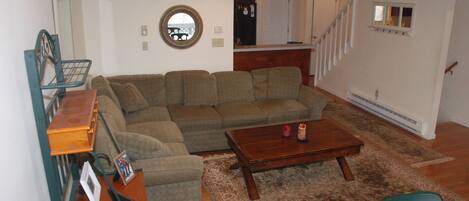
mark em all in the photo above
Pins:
pixel 272 22
pixel 63 27
pixel 279 22
pixel 113 40
pixel 23 177
pixel 78 30
pixel 324 13
pixel 300 21
pixel 455 99
pixel 407 71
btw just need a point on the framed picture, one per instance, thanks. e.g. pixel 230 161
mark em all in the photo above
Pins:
pixel 90 183
pixel 124 167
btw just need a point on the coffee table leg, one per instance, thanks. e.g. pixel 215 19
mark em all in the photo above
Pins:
pixel 250 184
pixel 345 169
pixel 235 166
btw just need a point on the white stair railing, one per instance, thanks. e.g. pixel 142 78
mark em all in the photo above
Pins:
pixel 335 42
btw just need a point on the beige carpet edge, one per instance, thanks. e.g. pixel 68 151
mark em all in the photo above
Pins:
pixel 432 162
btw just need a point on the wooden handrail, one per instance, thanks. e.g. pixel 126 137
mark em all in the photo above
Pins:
pixel 450 68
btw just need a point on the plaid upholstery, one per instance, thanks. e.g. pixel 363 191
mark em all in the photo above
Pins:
pixel 175 85
pixel 200 90
pixel 234 87
pixel 260 82
pixel 103 87
pixel 129 96
pixel 177 149
pixel 151 86
pixel 104 143
pixel 205 140
pixel 181 191
pixel 165 131
pixel 283 110
pixel 169 170
pixel 313 100
pixel 192 118
pixel 155 113
pixel 284 83
pixel 140 147
pixel 112 114
pixel 241 114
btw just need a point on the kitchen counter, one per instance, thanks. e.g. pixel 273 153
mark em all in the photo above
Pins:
pixel 255 48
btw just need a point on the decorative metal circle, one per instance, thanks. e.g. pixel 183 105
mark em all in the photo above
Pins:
pixel 44 51
pixel 181 26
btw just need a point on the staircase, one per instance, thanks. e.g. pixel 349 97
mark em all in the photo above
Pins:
pixel 335 43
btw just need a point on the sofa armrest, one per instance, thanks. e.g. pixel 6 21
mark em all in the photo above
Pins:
pixel 312 99
pixel 165 131
pixel 140 147
pixel 169 170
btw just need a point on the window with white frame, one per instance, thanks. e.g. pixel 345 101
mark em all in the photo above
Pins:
pixel 393 17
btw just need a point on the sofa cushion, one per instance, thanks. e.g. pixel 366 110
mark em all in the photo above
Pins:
pixel 192 118
pixel 169 170
pixel 241 114
pixel 283 110
pixel 175 85
pixel 314 100
pixel 200 90
pixel 102 86
pixel 284 83
pixel 260 82
pixel 165 131
pixel 177 149
pixel 129 96
pixel 104 143
pixel 155 113
pixel 112 114
pixel 141 147
pixel 234 87
pixel 151 86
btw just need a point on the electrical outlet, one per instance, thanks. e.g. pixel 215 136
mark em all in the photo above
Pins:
pixel 218 42
pixel 145 45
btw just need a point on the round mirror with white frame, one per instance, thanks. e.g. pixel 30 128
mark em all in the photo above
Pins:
pixel 181 26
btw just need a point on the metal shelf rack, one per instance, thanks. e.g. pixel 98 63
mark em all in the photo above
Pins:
pixel 45 65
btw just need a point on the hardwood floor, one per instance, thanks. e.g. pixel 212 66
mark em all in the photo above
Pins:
pixel 451 139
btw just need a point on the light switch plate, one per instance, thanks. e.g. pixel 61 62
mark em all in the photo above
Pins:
pixel 145 45
pixel 218 42
pixel 144 30
pixel 218 29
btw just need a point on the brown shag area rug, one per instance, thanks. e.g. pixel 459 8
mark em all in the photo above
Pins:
pixel 377 175
pixel 367 126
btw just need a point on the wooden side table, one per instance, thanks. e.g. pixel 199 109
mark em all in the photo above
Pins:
pixel 135 190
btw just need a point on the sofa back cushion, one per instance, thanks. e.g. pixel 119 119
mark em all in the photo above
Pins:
pixel 284 83
pixel 102 86
pixel 175 85
pixel 113 114
pixel 260 82
pixel 129 96
pixel 234 87
pixel 200 90
pixel 152 86
pixel 276 83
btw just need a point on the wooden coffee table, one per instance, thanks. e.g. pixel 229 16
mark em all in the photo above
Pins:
pixel 264 148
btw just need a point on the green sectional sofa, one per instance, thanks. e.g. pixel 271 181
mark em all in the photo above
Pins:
pixel 160 119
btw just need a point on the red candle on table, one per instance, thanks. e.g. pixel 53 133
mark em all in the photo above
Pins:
pixel 286 131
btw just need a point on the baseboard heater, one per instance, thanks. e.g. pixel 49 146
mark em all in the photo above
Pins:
pixel 386 112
